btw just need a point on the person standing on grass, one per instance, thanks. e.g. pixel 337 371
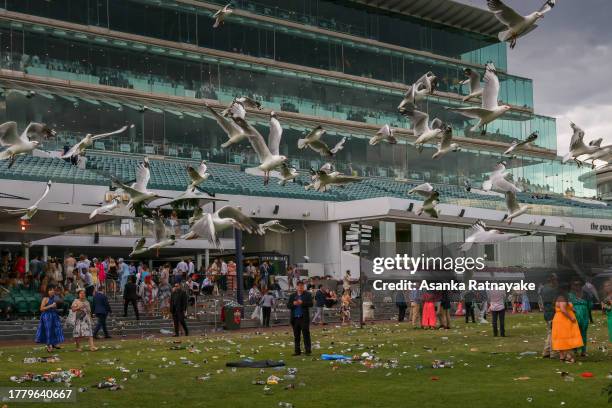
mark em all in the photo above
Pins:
pixel 429 311
pixel 82 321
pixel 267 303
pixel 468 303
pixel 565 331
pixel 400 302
pixel 50 330
pixel 606 305
pixel 178 308
pixel 497 306
pixel 345 307
pixel 549 293
pixel 130 296
pixel 414 296
pixel 320 297
pixel 101 309
pixel 445 306
pixel 582 305
pixel 299 304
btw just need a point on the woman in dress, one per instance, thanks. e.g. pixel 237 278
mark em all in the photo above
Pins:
pixel 163 295
pixel 50 327
pixel 148 294
pixel 428 320
pixel 112 277
pixel 525 304
pixel 565 331
pixel 607 306
pixel 582 305
pixel 82 321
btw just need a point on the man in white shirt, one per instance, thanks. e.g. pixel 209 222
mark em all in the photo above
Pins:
pixel 190 267
pixel 497 306
pixel 181 270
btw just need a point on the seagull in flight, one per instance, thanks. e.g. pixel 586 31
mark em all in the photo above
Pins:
pixel 28 213
pixel 276 226
pixel 423 131
pixel 517 144
pixel 322 180
pixel 269 157
pixel 105 209
pixel 515 210
pixel 210 225
pixel 197 176
pixel 139 247
pixel 287 174
pixel 578 147
pixel 17 144
pixel 234 133
pixel 497 180
pixel 517 25
pixel 88 140
pixel 384 134
pixel 314 142
pixel 138 190
pixel 480 235
pixel 445 146
pixel 425 85
pixel 431 199
pixel 490 110
pixel 473 82
pixel 163 238
pixel 221 15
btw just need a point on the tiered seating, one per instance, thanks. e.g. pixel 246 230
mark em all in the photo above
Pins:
pixel 46 168
pixel 22 302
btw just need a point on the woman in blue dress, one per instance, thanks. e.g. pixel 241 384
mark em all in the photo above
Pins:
pixel 50 327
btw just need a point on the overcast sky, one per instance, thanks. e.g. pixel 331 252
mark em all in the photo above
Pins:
pixel 569 58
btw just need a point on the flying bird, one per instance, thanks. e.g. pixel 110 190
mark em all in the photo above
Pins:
pixel 384 134
pixel 445 146
pixel 210 225
pixel 431 199
pixel 88 140
pixel 17 144
pixel 138 190
pixel 269 157
pixel 221 15
pixel 105 209
pixel 163 238
pixel 497 180
pixel 314 142
pixel 490 110
pixel 287 174
pixel 480 235
pixel 28 213
pixel 423 131
pixel 425 85
pixel 517 144
pixel 197 176
pixel 517 25
pixel 323 180
pixel 139 247
pixel 578 147
pixel 473 82
pixel 515 210
pixel 276 226
pixel 234 133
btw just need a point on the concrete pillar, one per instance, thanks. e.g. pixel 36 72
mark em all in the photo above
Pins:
pixel 26 255
pixel 206 258
pixel 45 253
pixel 150 265
pixel 198 260
pixel 388 245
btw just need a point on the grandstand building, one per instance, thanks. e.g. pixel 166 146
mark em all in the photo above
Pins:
pixel 94 66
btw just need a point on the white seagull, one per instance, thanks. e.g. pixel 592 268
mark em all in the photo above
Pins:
pixel 497 181
pixel 578 147
pixel 139 247
pixel 313 141
pixel 269 157
pixel 480 235
pixel 105 209
pixel 517 24
pixel 88 140
pixel 210 225
pixel 490 109
pixel 431 199
pixel 17 144
pixel 233 131
pixel 163 238
pixel 138 190
pixel 385 133
pixel 322 180
pixel 221 14
pixel 287 174
pixel 423 131
pixel 515 210
pixel 473 81
pixel 197 176
pixel 276 226
pixel 28 213
pixel 516 144
pixel 445 146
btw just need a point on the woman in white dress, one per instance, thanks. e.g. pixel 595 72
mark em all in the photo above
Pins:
pixel 82 321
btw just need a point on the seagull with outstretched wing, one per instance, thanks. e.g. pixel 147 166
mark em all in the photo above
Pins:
pixel 287 174
pixel 515 210
pixel 138 190
pixel 163 238
pixel 446 145
pixel 222 14
pixel 197 176
pixel 480 235
pixel 578 147
pixel 431 199
pixel 105 209
pixel 517 25
pixel 139 247
pixel 498 181
pixel 384 134
pixel 520 143
pixel 28 213
pixel 234 133
pixel 473 82
pixel 18 144
pixel 323 180
pixel 423 131
pixel 276 226
pixel 88 140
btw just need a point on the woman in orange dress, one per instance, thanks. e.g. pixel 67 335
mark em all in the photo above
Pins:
pixel 565 331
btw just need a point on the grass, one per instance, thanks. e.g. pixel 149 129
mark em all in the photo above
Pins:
pixel 486 369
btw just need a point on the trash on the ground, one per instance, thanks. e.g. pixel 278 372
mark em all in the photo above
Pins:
pixel 587 374
pixel 64 376
pixel 528 353
pixel 109 383
pixel 32 360
pixel 522 378
pixel 442 364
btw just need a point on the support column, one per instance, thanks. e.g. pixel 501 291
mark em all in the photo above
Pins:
pixel 388 244
pixel 206 258
pixel 45 253
pixel 26 255
pixel 239 266
pixel 199 261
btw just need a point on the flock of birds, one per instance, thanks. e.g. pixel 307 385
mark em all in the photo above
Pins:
pixel 233 121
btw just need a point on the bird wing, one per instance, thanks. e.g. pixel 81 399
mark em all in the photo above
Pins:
pixel 490 92
pixel 547 6
pixel 424 190
pixel 478 227
pixel 315 134
pixel 229 127
pixel 205 227
pixel 139 244
pixel 474 81
pixel 274 137
pixel 42 197
pixel 471 112
pixel 420 122
pixel 447 136
pixel 511 202
pixel 503 13
pixel 339 146
pixel 203 168
pixel 242 222
pixel 384 131
pixel 320 147
pixel 194 174
pixel 503 184
pixel 159 229
pixel 9 135
pixel 576 141
pixel 256 139
pixel 342 178
pixel 129 190
pixel 143 175
pixel 73 150
pixel 102 135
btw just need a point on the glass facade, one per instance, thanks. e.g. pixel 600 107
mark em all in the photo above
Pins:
pixel 283 44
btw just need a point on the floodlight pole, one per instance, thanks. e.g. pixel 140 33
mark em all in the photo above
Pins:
pixel 239 266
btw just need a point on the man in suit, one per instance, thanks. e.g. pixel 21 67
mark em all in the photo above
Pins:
pixel 101 309
pixel 178 308
pixel 299 304
pixel 130 295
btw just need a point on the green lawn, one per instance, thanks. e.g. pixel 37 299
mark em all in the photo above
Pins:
pixel 485 373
